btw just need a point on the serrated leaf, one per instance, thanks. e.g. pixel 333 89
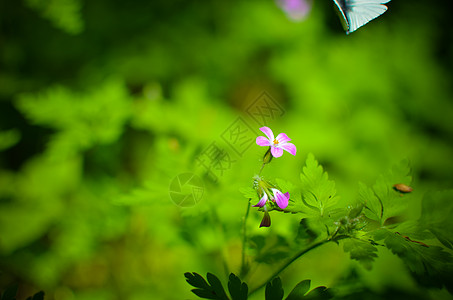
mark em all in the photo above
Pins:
pixel 362 251
pixel 393 202
pixel 299 290
pixel 437 209
pixel 238 290
pixel 318 192
pixel 274 290
pixel 431 265
pixel 373 207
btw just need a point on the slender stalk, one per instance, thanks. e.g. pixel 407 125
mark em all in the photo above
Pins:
pixel 262 167
pixel 244 239
pixel 283 267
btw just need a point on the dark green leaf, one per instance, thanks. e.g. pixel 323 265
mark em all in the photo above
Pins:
pixel 319 293
pixel 213 290
pixel 274 290
pixel 299 290
pixel 196 280
pixel 238 290
pixel 216 286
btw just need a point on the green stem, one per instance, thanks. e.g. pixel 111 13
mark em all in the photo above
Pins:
pixel 244 239
pixel 262 167
pixel 294 258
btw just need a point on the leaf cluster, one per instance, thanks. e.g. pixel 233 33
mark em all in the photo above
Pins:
pixel 213 289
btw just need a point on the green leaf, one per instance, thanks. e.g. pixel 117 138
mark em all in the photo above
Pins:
pixel 274 290
pixel 319 293
pixel 299 290
pixel 382 201
pixel 431 265
pixel 362 251
pixel 393 202
pixel 238 290
pixel 248 192
pixel 216 286
pixel 318 192
pixel 373 205
pixel 213 290
pixel 437 209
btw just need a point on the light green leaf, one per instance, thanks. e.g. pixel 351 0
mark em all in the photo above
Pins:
pixel 318 193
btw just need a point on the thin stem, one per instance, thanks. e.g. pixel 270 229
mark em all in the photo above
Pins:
pixel 262 167
pixel 244 238
pixel 294 258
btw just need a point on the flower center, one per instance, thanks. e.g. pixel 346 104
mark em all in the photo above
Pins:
pixel 275 142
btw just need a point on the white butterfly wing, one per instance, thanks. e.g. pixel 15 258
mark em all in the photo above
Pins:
pixel 359 12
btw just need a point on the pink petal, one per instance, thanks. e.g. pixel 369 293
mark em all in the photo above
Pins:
pixel 262 201
pixel 282 138
pixel 289 147
pixel 268 132
pixel 276 152
pixel 282 200
pixel 266 222
pixel 262 141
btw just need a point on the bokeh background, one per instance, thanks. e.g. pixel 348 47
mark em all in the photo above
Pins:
pixel 103 103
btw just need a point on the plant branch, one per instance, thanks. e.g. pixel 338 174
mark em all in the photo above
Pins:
pixel 289 262
pixel 244 239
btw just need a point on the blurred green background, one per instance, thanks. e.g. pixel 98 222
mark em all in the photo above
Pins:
pixel 103 103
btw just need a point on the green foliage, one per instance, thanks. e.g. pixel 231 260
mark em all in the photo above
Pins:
pixel 431 265
pixel 274 289
pixel 64 14
pixel 361 250
pixel 437 209
pixel 213 289
pixel 238 290
pixel 317 191
pixel 87 161
pixel 9 138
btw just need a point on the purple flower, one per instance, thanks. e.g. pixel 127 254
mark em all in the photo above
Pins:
pixel 277 144
pixel 277 196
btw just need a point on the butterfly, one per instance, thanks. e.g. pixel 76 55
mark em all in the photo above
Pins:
pixel 356 13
